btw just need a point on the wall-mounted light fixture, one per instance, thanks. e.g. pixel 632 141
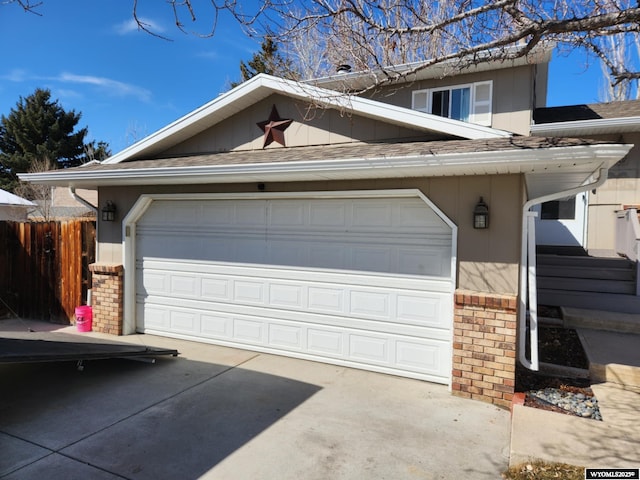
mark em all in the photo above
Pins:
pixel 481 215
pixel 109 212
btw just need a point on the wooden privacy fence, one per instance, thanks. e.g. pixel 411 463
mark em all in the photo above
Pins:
pixel 44 267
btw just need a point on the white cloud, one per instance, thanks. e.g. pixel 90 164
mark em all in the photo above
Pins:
pixel 15 75
pixel 129 26
pixel 67 94
pixel 113 87
pixel 208 55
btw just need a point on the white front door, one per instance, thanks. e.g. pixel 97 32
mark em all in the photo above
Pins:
pixel 562 222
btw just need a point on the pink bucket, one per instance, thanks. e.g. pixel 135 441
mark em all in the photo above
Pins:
pixel 84 318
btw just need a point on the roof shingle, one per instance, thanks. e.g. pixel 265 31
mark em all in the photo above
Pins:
pixel 346 152
pixel 592 111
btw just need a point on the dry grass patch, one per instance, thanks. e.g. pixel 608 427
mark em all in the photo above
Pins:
pixel 540 470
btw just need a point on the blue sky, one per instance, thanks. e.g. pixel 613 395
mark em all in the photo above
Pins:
pixel 127 83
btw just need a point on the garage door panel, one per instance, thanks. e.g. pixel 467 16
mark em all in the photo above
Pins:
pixel 305 318
pixel 369 349
pixel 369 215
pixel 364 282
pixel 329 300
pixel 398 305
pixel 184 321
pixel 326 342
pixel 357 253
pixel 325 214
pixel 186 285
pixel 220 326
pixel 374 259
pixel 367 234
pixel 251 331
pixel 426 261
pixel 250 213
pixel 358 347
pixel 286 215
pixel 287 336
pixel 216 289
pixel 249 292
pixel 226 271
pixel 287 295
pixel 155 317
pixel 370 304
pixel 432 357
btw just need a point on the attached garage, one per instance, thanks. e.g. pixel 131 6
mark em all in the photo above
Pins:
pixel 362 279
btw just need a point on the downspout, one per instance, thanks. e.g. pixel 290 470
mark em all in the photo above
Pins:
pixel 78 198
pixel 528 270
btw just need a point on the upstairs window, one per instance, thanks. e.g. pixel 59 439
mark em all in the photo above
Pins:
pixel 468 103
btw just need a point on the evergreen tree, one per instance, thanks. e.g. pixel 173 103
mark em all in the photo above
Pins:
pixel 267 60
pixel 36 129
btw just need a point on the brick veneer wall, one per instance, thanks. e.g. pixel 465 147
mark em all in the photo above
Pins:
pixel 484 346
pixel 107 300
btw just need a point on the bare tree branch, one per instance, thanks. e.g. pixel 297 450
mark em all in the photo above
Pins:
pixel 27 5
pixel 374 35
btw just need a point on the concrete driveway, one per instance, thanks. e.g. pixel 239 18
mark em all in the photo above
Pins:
pixel 222 413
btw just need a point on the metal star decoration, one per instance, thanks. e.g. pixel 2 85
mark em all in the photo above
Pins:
pixel 274 128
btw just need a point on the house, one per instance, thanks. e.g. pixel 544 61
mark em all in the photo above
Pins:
pixel 597 230
pixel 63 203
pixel 589 220
pixel 285 218
pixel 13 208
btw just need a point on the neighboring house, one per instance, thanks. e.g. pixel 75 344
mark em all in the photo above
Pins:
pixel 13 208
pixel 343 234
pixel 65 204
pixel 589 220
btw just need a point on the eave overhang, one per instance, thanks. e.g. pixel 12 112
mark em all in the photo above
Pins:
pixel 601 126
pixel 546 170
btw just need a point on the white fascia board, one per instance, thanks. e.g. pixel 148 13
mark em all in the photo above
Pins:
pixel 547 161
pixel 587 127
pixel 263 85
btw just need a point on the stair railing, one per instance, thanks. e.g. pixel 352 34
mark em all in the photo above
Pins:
pixel 628 238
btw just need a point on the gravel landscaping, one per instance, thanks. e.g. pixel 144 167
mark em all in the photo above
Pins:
pixel 567 395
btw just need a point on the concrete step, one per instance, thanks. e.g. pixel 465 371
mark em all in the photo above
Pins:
pixel 569 271
pixel 611 302
pixel 614 357
pixel 601 320
pixel 601 263
pixel 602 283
pixel 623 287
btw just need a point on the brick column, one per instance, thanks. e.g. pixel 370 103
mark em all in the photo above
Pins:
pixel 107 295
pixel 484 346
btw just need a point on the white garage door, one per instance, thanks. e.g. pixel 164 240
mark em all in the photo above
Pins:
pixel 362 282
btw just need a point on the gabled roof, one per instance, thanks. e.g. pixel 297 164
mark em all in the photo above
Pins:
pixel 262 86
pixel 587 119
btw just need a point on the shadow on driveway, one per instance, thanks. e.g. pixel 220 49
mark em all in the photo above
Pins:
pixel 121 419
pixel 223 413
